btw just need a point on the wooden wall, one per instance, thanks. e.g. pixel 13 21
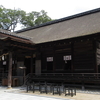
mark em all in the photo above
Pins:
pixel 98 55
pixel 82 53
pixel 83 56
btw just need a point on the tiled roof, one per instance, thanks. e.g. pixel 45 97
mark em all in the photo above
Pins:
pixel 61 20
pixel 4 35
pixel 14 34
pixel 83 24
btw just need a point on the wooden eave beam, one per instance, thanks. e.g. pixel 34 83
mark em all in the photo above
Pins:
pixel 6 37
pixel 25 41
pixel 25 47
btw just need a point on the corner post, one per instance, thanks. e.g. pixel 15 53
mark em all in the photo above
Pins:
pixel 10 70
pixel 31 69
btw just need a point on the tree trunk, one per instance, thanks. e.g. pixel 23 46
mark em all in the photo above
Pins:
pixel 10 70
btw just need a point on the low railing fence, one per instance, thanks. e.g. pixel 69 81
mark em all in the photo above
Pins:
pixel 62 77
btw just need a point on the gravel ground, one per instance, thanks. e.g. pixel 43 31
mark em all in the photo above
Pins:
pixel 80 94
pixel 88 91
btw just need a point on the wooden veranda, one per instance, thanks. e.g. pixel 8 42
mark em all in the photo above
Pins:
pixel 70 79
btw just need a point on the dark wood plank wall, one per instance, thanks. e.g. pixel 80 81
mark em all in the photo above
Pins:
pixel 58 52
pixel 62 65
pixel 47 52
pixel 98 55
pixel 82 57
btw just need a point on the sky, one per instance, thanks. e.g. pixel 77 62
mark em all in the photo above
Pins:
pixel 55 9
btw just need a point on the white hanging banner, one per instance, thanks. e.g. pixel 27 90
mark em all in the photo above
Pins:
pixel 68 57
pixel 3 58
pixel 4 62
pixel 49 59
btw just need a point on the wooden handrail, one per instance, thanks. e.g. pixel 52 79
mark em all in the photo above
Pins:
pixel 79 75
pixel 62 74
pixel 64 77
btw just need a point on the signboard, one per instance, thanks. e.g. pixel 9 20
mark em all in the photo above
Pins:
pixel 49 59
pixel 67 57
pixel 13 62
pixel 4 62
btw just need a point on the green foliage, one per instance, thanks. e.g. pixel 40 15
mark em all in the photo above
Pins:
pixel 35 18
pixel 42 18
pixel 9 18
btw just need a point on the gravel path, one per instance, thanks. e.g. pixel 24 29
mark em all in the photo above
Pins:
pixel 21 92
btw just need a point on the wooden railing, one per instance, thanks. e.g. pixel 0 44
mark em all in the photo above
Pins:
pixel 64 77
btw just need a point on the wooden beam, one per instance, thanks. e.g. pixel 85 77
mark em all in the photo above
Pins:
pixel 23 47
pixel 10 71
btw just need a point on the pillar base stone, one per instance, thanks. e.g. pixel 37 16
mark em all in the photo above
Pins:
pixel 9 87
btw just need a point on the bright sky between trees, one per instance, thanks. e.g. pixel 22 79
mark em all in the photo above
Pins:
pixel 55 8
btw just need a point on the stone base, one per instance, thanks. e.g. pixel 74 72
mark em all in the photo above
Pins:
pixel 9 87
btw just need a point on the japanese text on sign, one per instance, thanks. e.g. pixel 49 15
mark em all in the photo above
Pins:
pixel 67 57
pixel 49 59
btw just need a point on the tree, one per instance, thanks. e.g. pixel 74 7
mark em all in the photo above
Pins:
pixel 9 19
pixel 35 18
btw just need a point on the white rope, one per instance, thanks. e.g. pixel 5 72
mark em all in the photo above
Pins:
pixel 4 54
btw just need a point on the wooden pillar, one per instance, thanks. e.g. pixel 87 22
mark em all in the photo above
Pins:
pixel 10 70
pixel 95 56
pixel 31 69
pixel 54 59
pixel 38 64
pixel 72 54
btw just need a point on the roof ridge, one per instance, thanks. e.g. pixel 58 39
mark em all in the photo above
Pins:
pixel 61 20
